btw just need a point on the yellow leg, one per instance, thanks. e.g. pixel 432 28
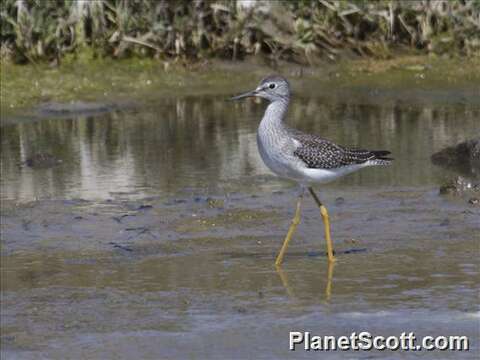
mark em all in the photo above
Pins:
pixel 328 288
pixel 326 222
pixel 291 230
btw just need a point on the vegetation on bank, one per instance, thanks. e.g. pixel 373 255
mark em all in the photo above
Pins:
pixel 297 31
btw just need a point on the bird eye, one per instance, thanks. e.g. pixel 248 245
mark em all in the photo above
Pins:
pixel 271 86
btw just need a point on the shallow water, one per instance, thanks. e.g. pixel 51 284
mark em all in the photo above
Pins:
pixel 156 235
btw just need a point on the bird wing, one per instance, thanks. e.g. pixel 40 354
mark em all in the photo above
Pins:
pixel 318 153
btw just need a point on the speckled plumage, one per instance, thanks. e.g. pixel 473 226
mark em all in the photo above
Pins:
pixel 318 153
pixel 298 156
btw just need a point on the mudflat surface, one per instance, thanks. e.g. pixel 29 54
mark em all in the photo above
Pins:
pixel 156 235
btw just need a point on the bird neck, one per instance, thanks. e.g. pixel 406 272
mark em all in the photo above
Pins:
pixel 275 113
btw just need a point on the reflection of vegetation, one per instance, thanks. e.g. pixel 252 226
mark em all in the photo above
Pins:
pixel 300 31
pixel 207 143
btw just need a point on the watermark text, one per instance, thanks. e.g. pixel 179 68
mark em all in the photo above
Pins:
pixel 366 341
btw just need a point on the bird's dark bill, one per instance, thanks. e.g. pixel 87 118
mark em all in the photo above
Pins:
pixel 244 95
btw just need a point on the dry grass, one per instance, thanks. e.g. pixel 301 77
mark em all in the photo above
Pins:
pixel 303 31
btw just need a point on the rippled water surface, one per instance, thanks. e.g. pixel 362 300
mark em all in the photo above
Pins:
pixel 155 236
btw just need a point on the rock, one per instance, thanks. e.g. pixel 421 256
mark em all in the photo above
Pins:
pixel 74 108
pixel 463 158
pixel 474 201
pixel 42 160
pixel 215 203
pixel 458 186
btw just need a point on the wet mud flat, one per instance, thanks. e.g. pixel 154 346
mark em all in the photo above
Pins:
pixel 193 276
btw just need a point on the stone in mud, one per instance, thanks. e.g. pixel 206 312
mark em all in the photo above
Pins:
pixel 42 160
pixel 215 203
pixel 458 186
pixel 474 201
pixel 464 157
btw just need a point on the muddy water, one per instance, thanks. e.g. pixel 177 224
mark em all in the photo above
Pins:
pixel 155 237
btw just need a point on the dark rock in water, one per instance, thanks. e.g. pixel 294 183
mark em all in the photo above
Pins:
pixel 75 108
pixel 42 160
pixel 339 201
pixel 463 158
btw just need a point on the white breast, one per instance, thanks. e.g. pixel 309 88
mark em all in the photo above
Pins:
pixel 276 146
pixel 276 152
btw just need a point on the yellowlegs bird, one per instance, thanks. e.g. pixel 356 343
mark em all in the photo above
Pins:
pixel 305 158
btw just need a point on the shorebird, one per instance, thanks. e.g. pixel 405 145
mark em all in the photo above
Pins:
pixel 304 158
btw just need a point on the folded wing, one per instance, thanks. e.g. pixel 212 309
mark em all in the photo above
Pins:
pixel 318 153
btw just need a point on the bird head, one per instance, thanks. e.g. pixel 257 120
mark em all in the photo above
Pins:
pixel 272 88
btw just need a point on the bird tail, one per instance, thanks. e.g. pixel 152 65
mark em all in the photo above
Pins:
pixel 381 158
